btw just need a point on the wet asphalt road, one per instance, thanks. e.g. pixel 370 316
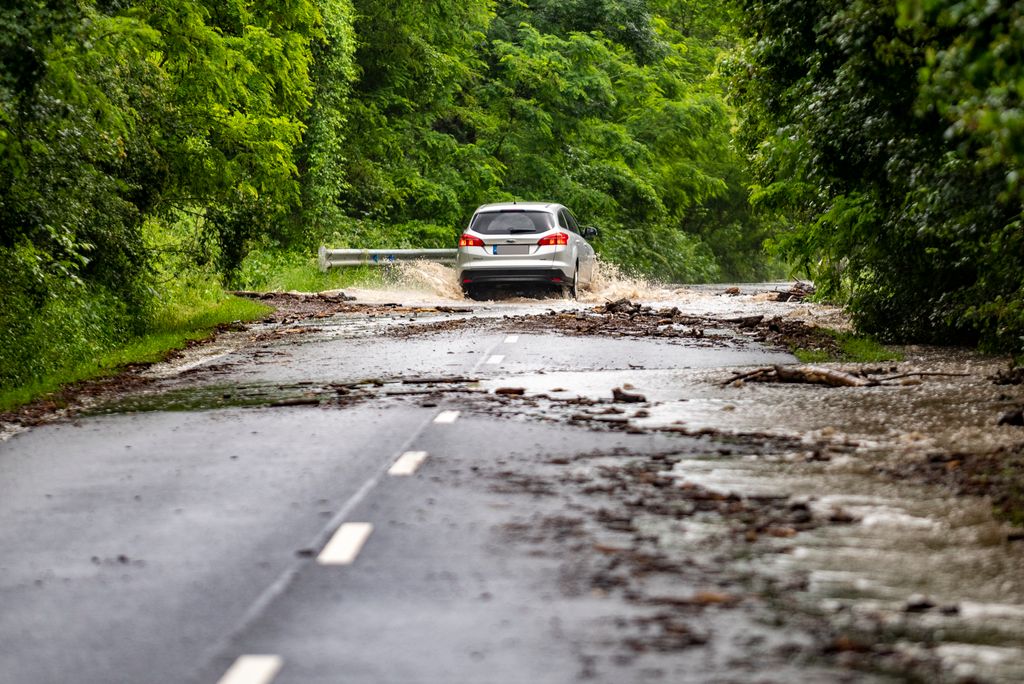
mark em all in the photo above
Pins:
pixel 165 545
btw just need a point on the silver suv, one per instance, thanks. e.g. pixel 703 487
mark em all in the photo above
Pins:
pixel 525 242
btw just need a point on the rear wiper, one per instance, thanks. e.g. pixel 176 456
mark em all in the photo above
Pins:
pixel 522 230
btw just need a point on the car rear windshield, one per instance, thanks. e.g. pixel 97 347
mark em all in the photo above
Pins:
pixel 512 222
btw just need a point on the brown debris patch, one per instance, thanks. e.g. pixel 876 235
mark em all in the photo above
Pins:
pixel 664 632
pixel 626 319
pixel 1013 375
pixel 511 482
pixel 796 334
pixel 294 307
pixel 996 474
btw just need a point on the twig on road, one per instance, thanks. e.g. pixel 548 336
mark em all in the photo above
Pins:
pixel 438 381
pixel 750 375
pixel 901 376
pixel 817 375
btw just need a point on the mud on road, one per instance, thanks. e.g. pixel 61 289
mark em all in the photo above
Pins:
pixel 865 510
pixel 860 518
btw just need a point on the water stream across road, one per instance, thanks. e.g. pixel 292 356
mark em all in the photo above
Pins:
pixel 794 506
pixel 914 576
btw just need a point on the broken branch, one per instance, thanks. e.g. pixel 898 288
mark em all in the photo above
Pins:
pixel 923 374
pixel 816 375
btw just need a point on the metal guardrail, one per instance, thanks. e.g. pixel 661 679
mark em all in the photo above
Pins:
pixel 337 258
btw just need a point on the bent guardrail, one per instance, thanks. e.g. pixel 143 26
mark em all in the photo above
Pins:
pixel 340 258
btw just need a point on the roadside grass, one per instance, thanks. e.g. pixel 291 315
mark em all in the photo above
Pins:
pixel 852 347
pixel 267 270
pixel 865 349
pixel 813 355
pixel 80 339
pixel 189 318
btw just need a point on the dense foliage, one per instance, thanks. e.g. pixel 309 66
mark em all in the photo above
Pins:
pixel 891 137
pixel 118 121
pixel 147 148
pixel 145 145
pixel 609 107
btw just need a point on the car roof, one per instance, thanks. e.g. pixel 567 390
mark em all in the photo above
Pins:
pixel 520 206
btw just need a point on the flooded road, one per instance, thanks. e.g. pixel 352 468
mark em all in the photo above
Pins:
pixel 521 489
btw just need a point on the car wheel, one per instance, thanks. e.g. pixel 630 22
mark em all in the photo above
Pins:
pixel 573 291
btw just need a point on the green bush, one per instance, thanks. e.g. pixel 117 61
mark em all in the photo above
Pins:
pixel 268 269
pixel 71 327
pixel 80 333
pixel 889 135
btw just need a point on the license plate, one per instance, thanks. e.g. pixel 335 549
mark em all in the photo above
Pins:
pixel 511 249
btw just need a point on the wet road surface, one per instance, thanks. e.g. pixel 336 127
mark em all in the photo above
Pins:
pixel 300 505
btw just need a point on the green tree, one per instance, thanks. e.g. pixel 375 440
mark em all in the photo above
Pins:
pixel 321 157
pixel 866 129
pixel 410 154
pixel 637 141
pixel 115 113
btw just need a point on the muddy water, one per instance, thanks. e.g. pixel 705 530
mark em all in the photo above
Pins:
pixel 430 284
pixel 928 575
pixel 427 281
pixel 931 573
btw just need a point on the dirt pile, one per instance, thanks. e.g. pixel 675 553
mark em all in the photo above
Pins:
pixel 624 318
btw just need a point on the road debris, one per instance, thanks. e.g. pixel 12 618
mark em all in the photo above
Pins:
pixel 997 474
pixel 797 293
pixel 831 377
pixel 620 394
pixel 1014 417
pixel 683 534
pixel 453 380
pixel 1014 375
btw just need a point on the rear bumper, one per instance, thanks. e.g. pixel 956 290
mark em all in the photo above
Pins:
pixel 513 275
pixel 551 265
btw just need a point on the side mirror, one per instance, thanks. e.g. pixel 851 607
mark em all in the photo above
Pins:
pixel 590 232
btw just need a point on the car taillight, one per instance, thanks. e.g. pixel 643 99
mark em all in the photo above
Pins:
pixel 558 239
pixel 470 241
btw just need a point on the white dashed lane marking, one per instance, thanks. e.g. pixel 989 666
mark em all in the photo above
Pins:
pixel 511 339
pixel 253 669
pixel 447 417
pixel 345 545
pixel 408 463
pixel 495 360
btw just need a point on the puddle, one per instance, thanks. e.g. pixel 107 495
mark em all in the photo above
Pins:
pixel 195 357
